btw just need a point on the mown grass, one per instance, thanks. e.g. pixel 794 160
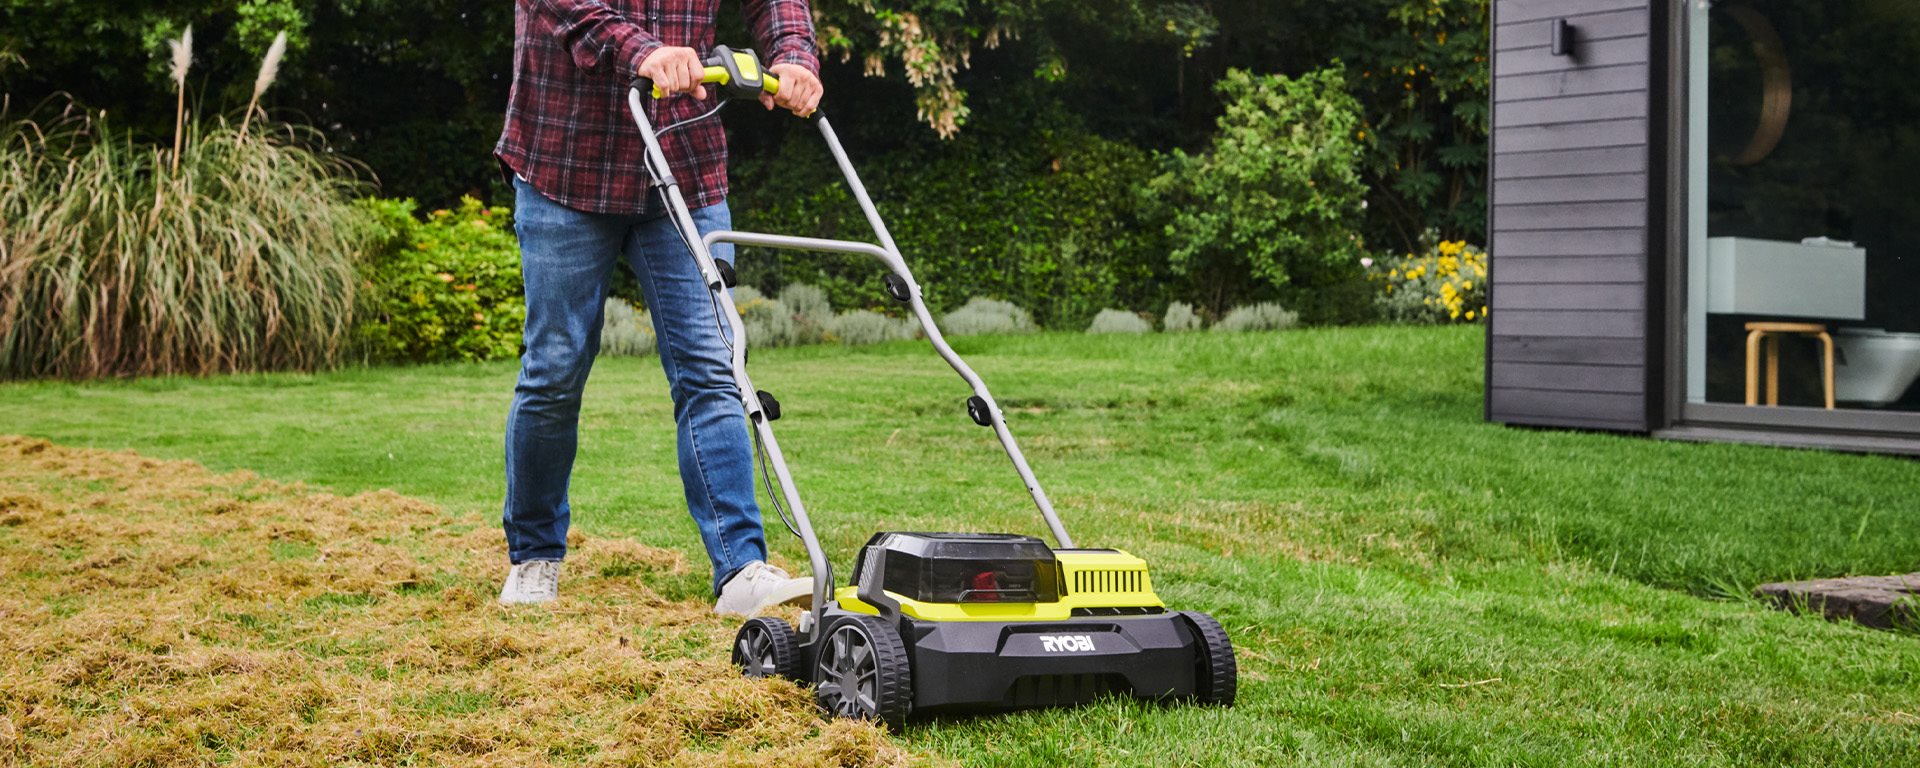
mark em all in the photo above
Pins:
pixel 1406 583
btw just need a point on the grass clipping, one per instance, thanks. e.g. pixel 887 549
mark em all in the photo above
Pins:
pixel 160 614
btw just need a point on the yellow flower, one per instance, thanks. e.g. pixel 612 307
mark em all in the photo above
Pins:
pixel 1467 286
pixel 1469 314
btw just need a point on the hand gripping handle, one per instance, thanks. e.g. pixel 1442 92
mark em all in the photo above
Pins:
pixel 738 73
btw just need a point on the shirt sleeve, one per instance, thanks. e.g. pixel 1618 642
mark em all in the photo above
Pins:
pixel 599 37
pixel 785 30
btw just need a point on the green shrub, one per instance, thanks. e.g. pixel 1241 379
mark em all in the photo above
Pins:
pixel 625 330
pixel 447 288
pixel 1119 321
pixel 1265 316
pixel 1277 197
pixel 1180 318
pixel 811 312
pixel 116 262
pixel 769 322
pixel 982 316
pixel 861 327
pixel 1046 218
pixel 1446 284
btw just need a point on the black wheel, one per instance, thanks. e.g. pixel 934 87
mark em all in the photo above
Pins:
pixel 766 647
pixel 863 672
pixel 1216 676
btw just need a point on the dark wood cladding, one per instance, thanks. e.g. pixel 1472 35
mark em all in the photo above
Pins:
pixel 1569 218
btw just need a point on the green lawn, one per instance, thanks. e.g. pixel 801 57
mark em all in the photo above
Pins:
pixel 1406 584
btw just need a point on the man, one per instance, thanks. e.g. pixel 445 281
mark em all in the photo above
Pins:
pixel 582 201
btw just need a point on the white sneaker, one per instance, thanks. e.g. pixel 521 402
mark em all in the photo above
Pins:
pixel 760 586
pixel 534 581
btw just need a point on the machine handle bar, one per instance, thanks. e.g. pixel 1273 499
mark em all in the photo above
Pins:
pixel 738 73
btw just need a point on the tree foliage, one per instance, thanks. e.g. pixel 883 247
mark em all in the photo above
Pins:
pixel 1004 137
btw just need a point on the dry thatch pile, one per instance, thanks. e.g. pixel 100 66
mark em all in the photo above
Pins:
pixel 156 613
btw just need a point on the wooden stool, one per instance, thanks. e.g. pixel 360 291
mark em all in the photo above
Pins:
pixel 1769 331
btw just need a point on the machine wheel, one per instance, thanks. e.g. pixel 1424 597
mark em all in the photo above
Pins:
pixel 766 647
pixel 863 672
pixel 1216 674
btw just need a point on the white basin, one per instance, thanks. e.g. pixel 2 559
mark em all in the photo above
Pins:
pixel 1778 279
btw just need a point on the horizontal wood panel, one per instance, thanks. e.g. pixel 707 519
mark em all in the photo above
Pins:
pixel 1569 350
pixel 1582 189
pixel 1521 218
pixel 1578 162
pixel 1515 271
pixel 1587 27
pixel 1561 422
pixel 1604 410
pixel 1570 202
pixel 1626 241
pixel 1570 109
pixel 1593 53
pixel 1591 135
pixel 1590 323
pixel 1574 82
pixel 1510 11
pixel 1614 379
pixel 1570 296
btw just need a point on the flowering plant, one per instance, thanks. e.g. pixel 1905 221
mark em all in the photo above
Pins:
pixel 1446 284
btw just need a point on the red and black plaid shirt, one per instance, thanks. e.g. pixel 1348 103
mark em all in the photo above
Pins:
pixel 568 130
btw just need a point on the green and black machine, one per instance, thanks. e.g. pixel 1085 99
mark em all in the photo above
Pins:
pixel 942 622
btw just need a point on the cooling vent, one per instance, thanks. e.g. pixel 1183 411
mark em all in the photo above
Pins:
pixel 1106 580
pixel 1064 690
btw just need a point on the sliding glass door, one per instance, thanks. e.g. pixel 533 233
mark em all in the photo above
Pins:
pixel 1803 213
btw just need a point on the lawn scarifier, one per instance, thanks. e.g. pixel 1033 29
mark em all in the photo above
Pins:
pixel 946 622
pixel 158 613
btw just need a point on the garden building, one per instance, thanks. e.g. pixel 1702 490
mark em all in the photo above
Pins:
pixel 1705 219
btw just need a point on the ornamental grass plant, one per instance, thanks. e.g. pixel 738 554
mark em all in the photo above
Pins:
pixel 114 264
pixel 226 251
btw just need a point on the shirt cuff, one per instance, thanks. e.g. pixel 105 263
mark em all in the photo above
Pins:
pixel 800 56
pixel 635 49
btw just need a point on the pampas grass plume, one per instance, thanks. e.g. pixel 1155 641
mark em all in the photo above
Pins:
pixel 182 56
pixel 270 67
pixel 182 61
pixel 269 71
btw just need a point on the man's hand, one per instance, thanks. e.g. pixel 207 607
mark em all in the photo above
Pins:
pixel 675 70
pixel 800 90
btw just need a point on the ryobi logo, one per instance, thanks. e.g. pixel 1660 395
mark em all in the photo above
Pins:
pixel 1066 643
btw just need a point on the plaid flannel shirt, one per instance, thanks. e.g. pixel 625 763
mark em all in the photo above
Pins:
pixel 568 131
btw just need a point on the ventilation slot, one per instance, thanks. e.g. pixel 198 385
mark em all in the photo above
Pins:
pixel 1106 580
pixel 1063 690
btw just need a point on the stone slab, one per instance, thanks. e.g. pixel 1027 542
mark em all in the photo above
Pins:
pixel 1884 602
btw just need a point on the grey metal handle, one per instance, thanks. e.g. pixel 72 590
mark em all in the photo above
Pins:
pixel 888 253
pixel 749 397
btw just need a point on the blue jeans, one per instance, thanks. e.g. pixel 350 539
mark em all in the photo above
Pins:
pixel 567 258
